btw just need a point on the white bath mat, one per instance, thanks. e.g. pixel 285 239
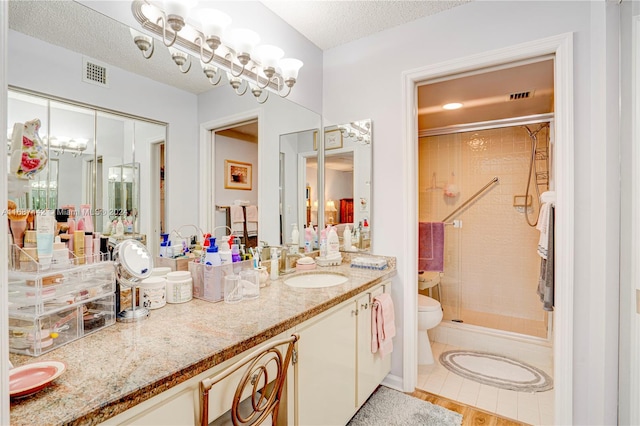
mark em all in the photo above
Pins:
pixel 496 370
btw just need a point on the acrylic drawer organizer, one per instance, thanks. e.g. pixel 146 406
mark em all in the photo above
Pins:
pixel 208 281
pixel 49 308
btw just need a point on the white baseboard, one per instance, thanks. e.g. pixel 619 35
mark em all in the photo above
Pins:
pixel 395 382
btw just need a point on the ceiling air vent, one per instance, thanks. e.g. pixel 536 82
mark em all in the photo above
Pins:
pixel 521 95
pixel 94 72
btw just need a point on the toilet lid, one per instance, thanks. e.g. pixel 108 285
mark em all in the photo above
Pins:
pixel 427 304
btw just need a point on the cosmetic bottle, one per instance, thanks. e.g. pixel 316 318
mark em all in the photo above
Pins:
pixel 323 243
pixel 308 240
pixel 78 247
pixel 346 238
pixel 235 253
pixel 60 254
pixel 333 242
pixel 85 212
pixel 46 225
pixel 71 225
pixel 88 246
pixel 96 247
pixel 225 251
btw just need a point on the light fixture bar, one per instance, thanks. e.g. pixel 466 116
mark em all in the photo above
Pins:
pixel 195 49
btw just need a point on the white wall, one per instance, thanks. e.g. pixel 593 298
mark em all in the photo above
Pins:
pixel 128 93
pixel 629 387
pixel 373 80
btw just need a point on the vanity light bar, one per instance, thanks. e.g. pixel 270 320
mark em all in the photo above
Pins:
pixel 195 43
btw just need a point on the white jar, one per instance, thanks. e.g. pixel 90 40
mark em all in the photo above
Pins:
pixel 179 287
pixel 152 292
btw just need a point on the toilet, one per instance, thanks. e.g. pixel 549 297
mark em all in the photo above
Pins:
pixel 429 316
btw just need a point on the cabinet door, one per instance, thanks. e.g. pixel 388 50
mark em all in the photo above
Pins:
pixel 326 369
pixel 372 368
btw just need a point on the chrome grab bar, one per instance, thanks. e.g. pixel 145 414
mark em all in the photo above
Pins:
pixel 473 197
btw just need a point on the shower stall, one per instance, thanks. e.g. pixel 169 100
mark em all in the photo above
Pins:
pixel 491 265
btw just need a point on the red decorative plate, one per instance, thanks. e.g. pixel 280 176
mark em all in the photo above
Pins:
pixel 31 378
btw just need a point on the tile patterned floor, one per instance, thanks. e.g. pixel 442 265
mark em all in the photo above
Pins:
pixel 532 408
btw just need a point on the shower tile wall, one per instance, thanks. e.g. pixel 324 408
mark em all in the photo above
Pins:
pixel 491 264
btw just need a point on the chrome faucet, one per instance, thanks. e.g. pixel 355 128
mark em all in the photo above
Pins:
pixel 285 259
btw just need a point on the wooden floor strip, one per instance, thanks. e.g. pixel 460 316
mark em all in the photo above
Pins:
pixel 471 416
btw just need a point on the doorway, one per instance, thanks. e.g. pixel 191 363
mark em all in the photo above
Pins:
pixel 560 47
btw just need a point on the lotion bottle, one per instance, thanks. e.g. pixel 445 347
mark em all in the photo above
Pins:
pixel 295 237
pixel 225 251
pixel 333 242
pixel 346 238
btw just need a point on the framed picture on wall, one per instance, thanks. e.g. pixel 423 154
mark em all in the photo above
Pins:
pixel 332 139
pixel 237 175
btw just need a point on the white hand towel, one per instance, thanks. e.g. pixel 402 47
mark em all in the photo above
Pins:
pixel 543 227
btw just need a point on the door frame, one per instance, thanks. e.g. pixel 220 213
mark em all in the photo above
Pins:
pixel 207 196
pixel 561 46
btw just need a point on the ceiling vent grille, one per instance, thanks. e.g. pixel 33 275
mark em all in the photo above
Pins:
pixel 94 72
pixel 521 95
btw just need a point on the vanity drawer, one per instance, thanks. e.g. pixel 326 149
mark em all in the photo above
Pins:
pixel 36 335
pixel 39 294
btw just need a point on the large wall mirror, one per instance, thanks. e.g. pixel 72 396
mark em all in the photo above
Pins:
pixel 346 198
pixel 94 158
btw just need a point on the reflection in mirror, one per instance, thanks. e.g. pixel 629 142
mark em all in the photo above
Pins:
pixel 236 181
pixel 347 197
pixel 298 183
pixel 123 194
pixel 87 150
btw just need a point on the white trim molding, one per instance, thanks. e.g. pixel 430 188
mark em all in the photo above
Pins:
pixel 561 46
pixel 634 344
pixel 4 291
pixel 206 209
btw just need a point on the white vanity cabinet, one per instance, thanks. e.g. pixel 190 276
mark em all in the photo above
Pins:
pixel 336 371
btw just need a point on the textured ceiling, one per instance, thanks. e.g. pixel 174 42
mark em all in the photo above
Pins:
pixel 79 28
pixel 331 23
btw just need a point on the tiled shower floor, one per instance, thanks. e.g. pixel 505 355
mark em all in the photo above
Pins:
pixel 533 408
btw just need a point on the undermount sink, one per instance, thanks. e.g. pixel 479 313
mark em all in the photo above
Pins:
pixel 316 280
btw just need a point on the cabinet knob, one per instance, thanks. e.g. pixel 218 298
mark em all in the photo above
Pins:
pixel 354 312
pixel 365 306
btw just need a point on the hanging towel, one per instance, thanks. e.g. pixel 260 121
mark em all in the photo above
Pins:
pixel 383 327
pixel 237 219
pixel 543 227
pixel 252 220
pixel 431 246
pixel 546 283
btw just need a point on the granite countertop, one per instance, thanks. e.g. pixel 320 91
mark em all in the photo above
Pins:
pixel 125 364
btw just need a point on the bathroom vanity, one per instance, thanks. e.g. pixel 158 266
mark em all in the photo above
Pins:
pixel 148 372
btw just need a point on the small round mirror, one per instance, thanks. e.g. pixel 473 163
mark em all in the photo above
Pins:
pixel 133 263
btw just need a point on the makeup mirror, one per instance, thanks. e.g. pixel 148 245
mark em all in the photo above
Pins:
pixel 133 263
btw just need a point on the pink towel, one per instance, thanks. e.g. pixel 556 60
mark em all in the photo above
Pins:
pixel 431 246
pixel 383 327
